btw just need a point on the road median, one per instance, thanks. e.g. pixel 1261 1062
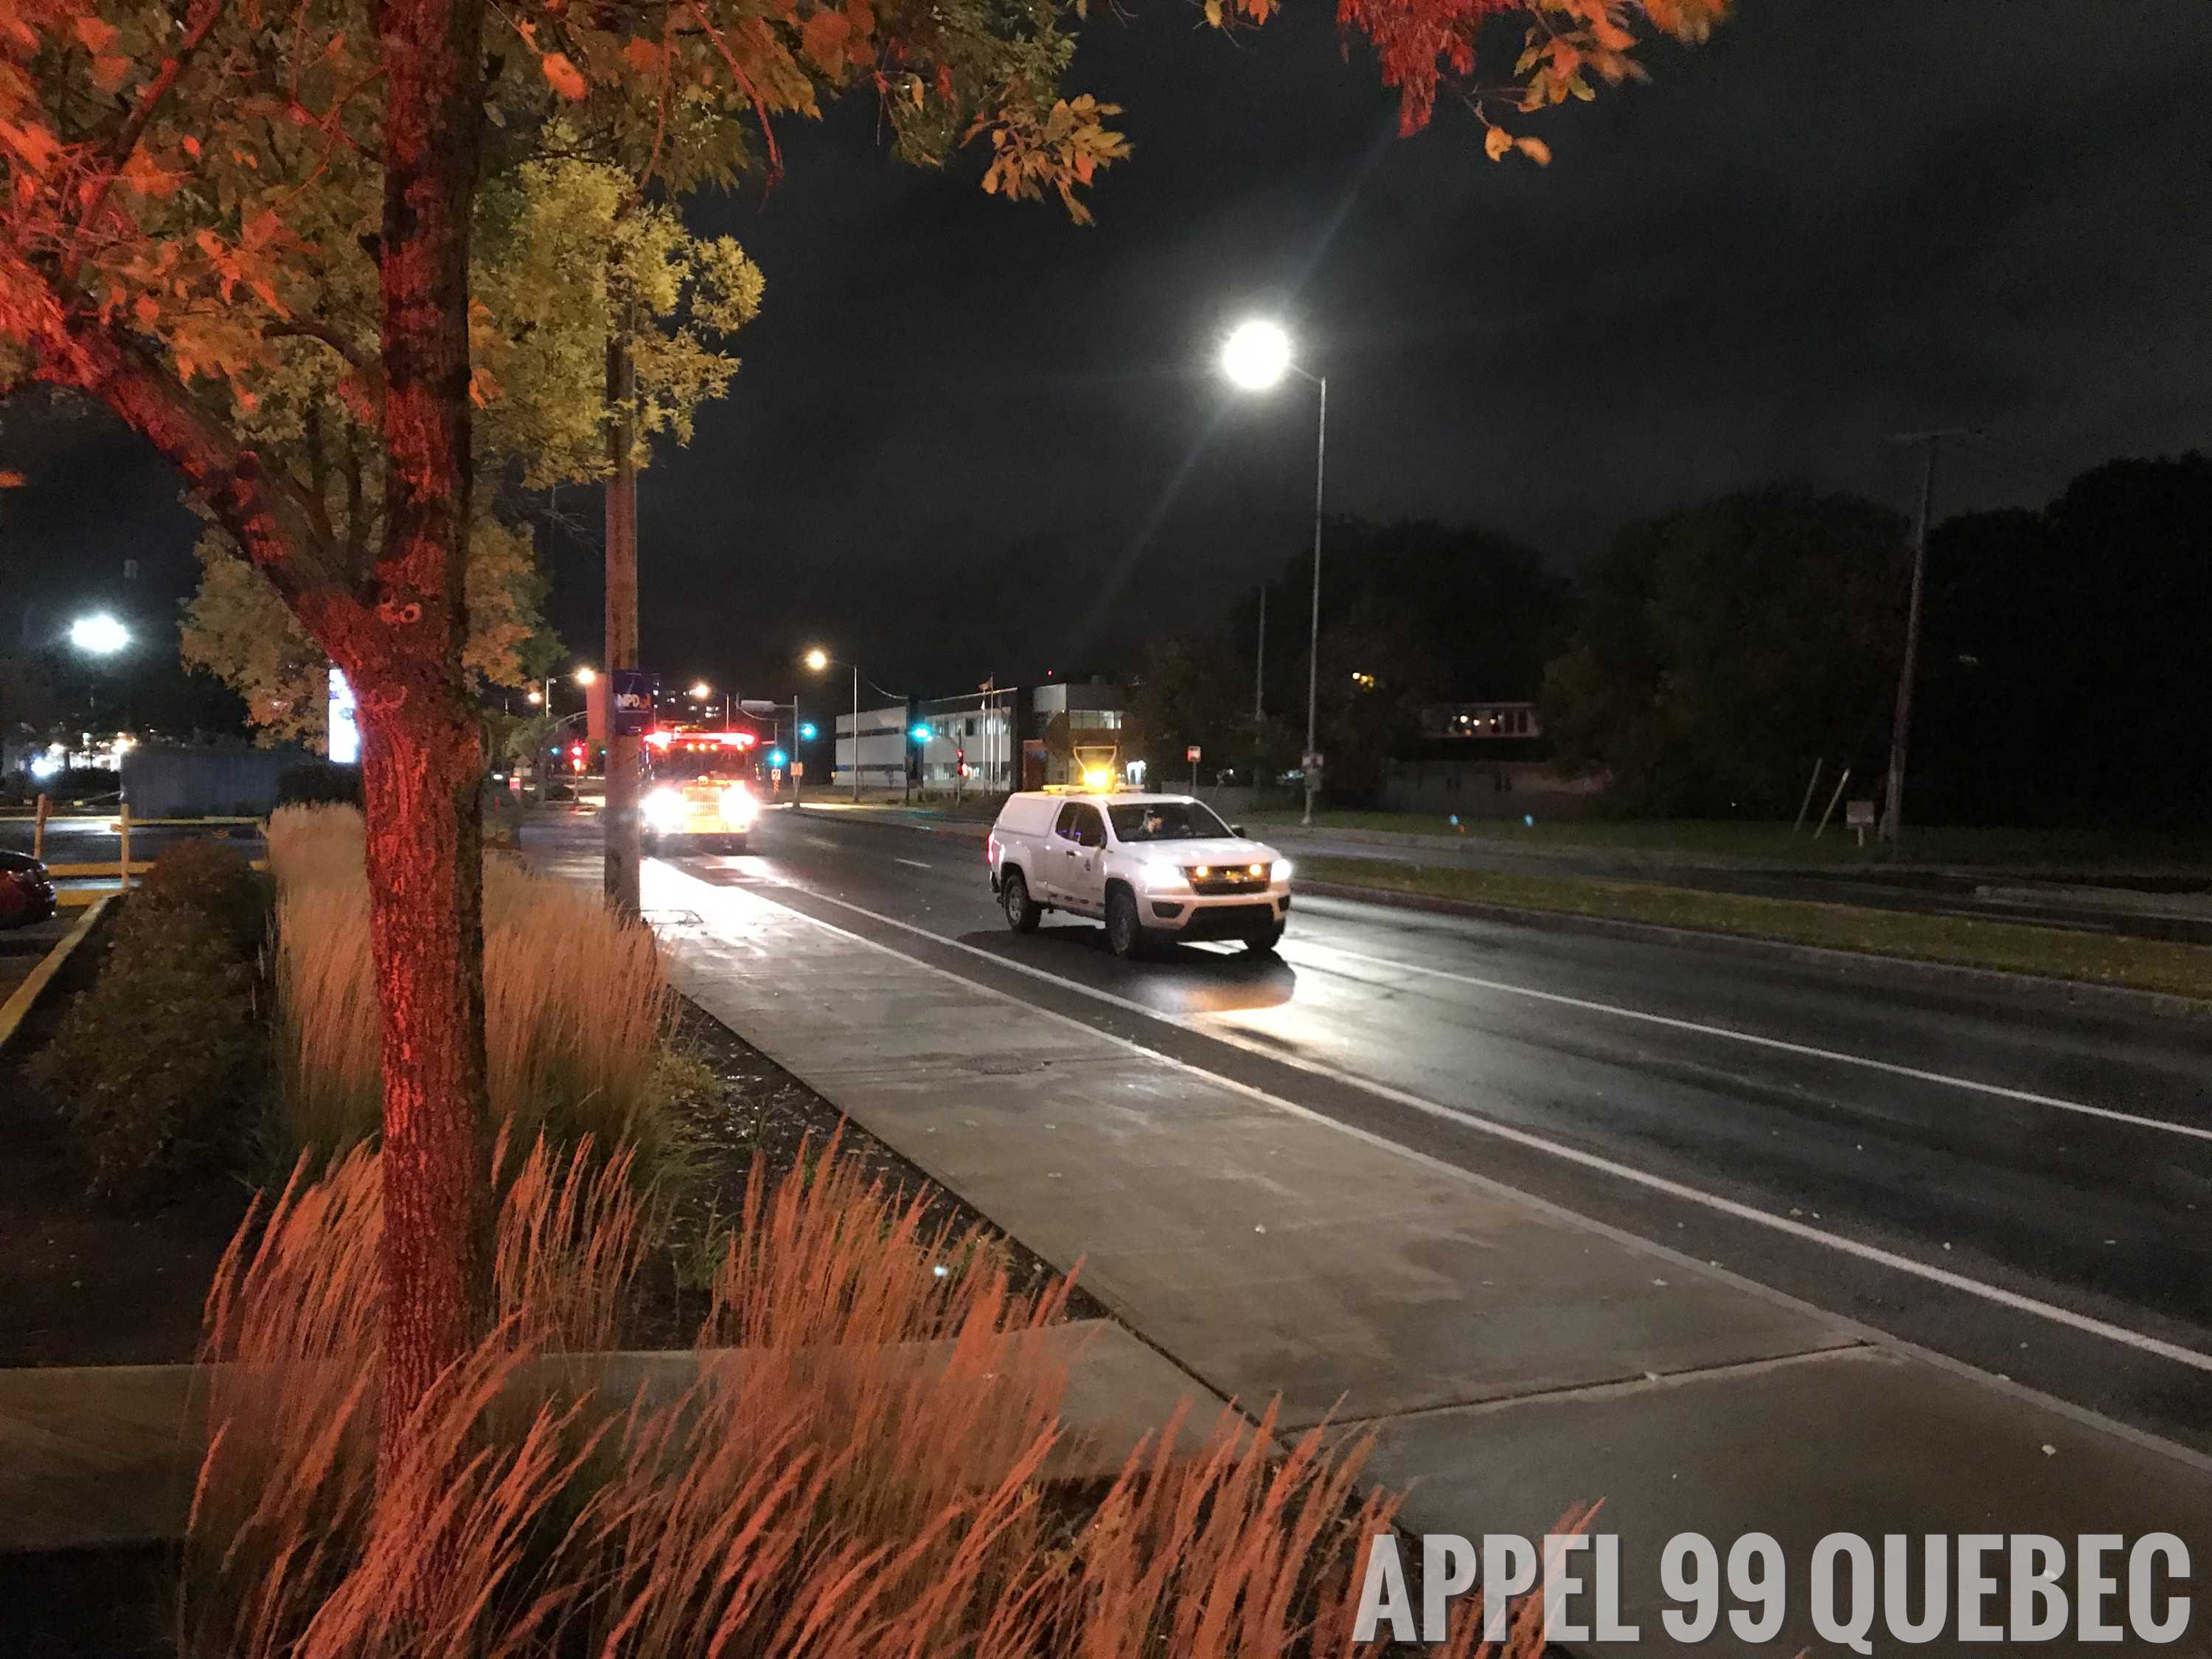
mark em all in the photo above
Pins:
pixel 2056 953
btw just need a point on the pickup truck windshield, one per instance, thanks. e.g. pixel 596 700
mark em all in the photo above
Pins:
pixel 1167 820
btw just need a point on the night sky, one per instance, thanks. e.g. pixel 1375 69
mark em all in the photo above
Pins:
pixel 973 439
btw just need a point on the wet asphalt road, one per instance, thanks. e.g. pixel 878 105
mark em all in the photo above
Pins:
pixel 2006 1176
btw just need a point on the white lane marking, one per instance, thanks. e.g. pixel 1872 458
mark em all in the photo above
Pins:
pixel 915 864
pixel 1728 1206
pixel 1778 1044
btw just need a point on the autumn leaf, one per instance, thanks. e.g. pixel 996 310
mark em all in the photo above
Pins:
pixel 1496 142
pixel 11 480
pixel 822 39
pixel 96 34
pixel 564 76
pixel 1535 149
pixel 642 55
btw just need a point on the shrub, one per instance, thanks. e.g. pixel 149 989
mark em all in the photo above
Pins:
pixel 155 1065
pixel 318 783
pixel 872 1475
pixel 576 1004
pixel 207 877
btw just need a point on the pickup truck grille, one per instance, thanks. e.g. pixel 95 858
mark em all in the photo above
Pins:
pixel 1232 878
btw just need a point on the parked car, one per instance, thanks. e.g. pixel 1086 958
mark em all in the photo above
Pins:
pixel 27 891
pixel 1155 869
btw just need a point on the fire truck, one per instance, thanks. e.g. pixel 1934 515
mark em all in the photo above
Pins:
pixel 698 792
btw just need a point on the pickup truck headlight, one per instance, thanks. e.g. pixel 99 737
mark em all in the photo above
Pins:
pixel 664 809
pixel 1164 877
pixel 1281 871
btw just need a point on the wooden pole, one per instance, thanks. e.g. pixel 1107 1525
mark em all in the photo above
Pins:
pixel 1832 799
pixel 1811 784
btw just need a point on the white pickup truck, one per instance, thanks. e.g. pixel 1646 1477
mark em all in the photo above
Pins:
pixel 1154 868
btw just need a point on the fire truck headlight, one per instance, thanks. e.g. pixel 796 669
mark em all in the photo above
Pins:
pixel 737 808
pixel 664 809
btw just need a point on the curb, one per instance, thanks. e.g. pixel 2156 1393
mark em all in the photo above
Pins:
pixel 2116 997
pixel 25 995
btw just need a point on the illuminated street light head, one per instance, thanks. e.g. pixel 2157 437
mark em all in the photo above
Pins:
pixel 587 674
pixel 701 690
pixel 818 660
pixel 99 634
pixel 537 697
pixel 1256 356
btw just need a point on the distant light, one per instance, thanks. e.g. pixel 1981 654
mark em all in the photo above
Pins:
pixel 46 766
pixel 702 690
pixel 537 697
pixel 1256 356
pixel 776 757
pixel 808 730
pixel 922 734
pixel 585 675
pixel 818 660
pixel 99 634
pixel 343 747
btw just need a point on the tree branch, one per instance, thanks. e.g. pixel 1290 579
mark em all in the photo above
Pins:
pixel 198 22
pixel 263 510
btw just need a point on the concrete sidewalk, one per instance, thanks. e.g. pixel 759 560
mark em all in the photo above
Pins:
pixel 105 1456
pixel 1513 1360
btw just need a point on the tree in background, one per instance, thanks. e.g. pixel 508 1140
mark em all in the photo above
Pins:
pixel 2064 677
pixel 1419 612
pixel 1721 650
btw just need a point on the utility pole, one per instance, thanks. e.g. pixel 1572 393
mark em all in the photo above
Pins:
pixel 622 857
pixel 1900 729
pixel 1260 663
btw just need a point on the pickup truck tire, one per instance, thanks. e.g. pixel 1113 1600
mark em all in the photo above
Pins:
pixel 1125 933
pixel 1022 914
pixel 1263 945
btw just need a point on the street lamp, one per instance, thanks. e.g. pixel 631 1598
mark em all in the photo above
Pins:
pixel 99 634
pixel 585 675
pixel 1255 357
pixel 818 660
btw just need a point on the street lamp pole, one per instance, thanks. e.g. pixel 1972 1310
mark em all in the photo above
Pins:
pixel 856 734
pixel 1255 357
pixel 1313 641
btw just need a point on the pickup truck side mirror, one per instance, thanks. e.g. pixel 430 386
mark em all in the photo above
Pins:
pixel 1235 828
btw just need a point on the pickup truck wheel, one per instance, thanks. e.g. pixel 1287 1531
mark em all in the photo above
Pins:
pixel 1014 893
pixel 1264 943
pixel 1125 934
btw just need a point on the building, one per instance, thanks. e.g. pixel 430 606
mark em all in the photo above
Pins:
pixel 1092 716
pixel 883 748
pixel 1467 722
pixel 976 730
pixel 1004 737
pixel 1485 759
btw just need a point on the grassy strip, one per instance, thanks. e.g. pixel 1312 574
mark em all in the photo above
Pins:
pixel 2056 851
pixel 2141 964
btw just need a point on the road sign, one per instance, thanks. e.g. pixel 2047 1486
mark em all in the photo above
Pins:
pixel 1191 754
pixel 799 768
pixel 1859 814
pixel 1312 762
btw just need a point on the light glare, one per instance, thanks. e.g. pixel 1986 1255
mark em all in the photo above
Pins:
pixel 101 633
pixel 1256 356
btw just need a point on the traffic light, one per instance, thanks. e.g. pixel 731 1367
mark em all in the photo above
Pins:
pixel 922 734
pixel 777 758
pixel 807 731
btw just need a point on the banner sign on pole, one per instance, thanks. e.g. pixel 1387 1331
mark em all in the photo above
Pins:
pixel 630 694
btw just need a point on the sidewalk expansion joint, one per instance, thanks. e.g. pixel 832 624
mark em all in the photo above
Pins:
pixel 1616 1387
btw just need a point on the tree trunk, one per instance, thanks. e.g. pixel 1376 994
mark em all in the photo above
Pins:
pixel 423 765
pixel 623 752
